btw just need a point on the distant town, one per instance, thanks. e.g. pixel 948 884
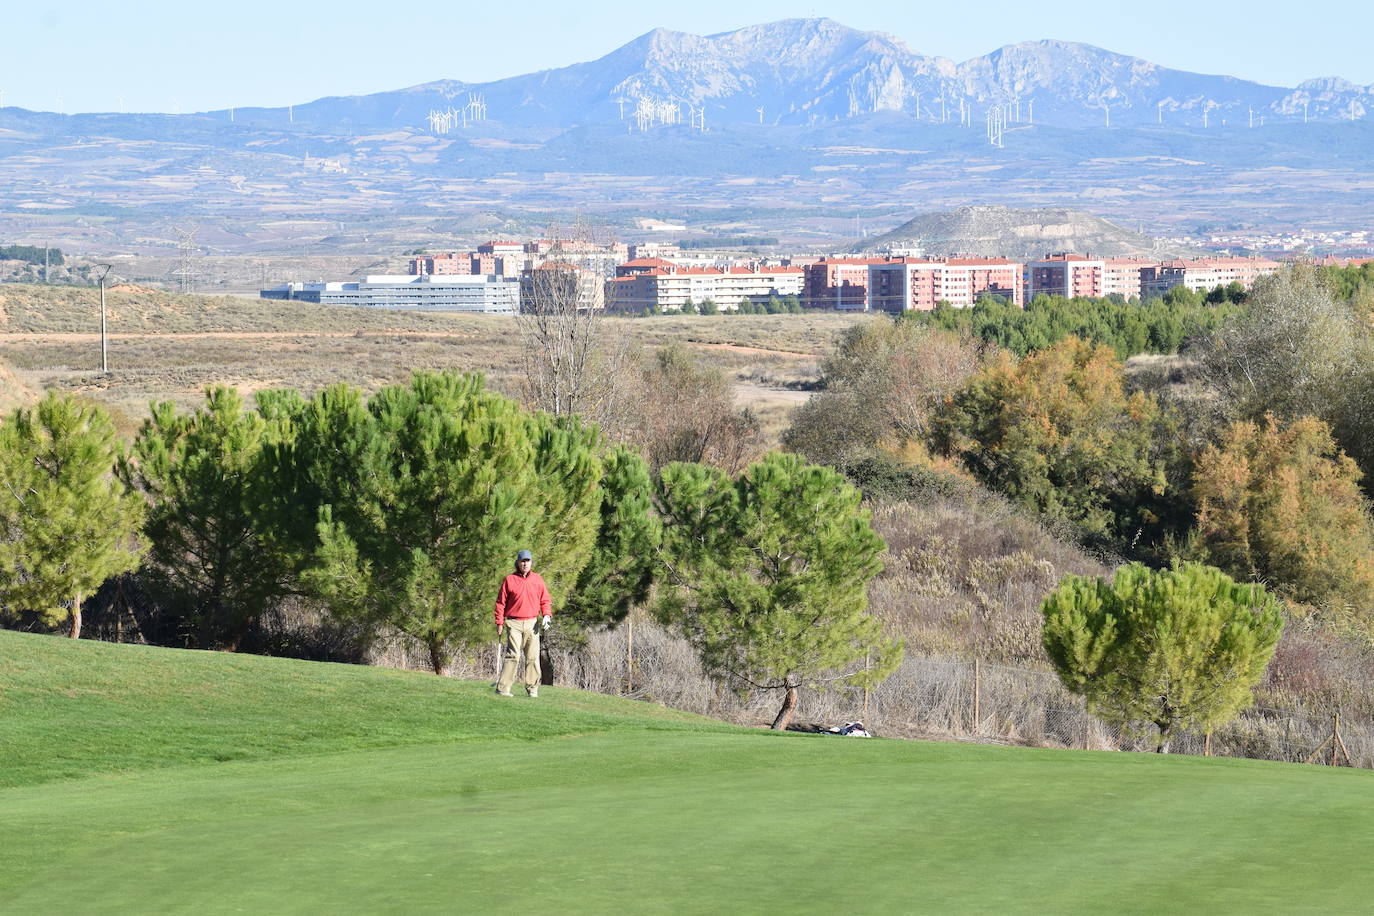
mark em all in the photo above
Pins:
pixel 501 276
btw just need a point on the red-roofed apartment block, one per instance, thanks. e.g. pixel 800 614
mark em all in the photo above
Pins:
pixel 913 283
pixel 673 287
pixel 1204 274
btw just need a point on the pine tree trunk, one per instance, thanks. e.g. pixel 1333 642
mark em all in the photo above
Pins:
pixel 74 621
pixel 1165 736
pixel 789 706
pixel 438 658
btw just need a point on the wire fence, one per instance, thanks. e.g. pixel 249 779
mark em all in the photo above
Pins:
pixel 927 697
pixel 992 703
pixel 956 699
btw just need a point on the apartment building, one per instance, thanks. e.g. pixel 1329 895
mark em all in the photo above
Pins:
pixel 672 287
pixel 557 284
pixel 512 259
pixel 897 283
pixel 652 250
pixel 966 279
pixel 1204 274
pixel 1067 275
pixel 641 266
pixel 447 264
pixel 902 284
pixel 838 283
pixel 1126 277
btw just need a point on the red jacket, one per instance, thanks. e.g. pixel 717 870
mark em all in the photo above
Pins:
pixel 522 597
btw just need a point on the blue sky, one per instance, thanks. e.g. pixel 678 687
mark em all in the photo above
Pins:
pixel 153 55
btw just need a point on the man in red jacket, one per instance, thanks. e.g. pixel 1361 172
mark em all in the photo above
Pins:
pixel 523 608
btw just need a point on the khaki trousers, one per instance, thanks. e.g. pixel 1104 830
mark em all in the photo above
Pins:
pixel 522 640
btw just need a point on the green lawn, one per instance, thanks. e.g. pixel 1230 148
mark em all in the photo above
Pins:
pixel 143 780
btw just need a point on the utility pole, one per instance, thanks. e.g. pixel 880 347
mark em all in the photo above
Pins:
pixel 104 345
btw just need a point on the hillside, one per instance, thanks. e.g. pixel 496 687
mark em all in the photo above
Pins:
pixel 36 308
pixel 154 779
pixel 13 392
pixel 1021 234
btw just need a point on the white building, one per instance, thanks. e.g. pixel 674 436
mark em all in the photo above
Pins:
pixel 440 293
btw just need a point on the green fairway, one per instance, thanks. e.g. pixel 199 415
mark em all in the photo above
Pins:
pixel 365 790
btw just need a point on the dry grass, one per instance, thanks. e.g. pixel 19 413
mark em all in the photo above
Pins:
pixel 166 346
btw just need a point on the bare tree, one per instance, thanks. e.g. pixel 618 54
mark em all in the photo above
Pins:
pixel 562 301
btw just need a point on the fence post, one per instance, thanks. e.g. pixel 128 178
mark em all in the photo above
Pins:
pixel 977 686
pixel 1336 741
pixel 629 653
pixel 868 653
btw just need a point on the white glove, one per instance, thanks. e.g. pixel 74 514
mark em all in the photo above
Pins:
pixel 546 621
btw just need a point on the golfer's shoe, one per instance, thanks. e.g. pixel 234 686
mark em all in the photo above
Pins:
pixel 533 691
pixel 502 693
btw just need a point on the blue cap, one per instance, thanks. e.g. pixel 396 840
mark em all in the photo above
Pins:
pixel 524 555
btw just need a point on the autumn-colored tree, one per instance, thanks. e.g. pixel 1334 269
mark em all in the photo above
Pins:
pixel 1057 432
pixel 1281 504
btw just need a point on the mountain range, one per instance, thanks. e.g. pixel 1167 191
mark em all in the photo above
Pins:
pixel 802 129
pixel 808 71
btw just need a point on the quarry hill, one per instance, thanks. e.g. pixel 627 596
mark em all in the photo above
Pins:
pixel 1020 234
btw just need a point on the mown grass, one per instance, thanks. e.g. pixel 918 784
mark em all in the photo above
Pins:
pixel 69 710
pixel 372 791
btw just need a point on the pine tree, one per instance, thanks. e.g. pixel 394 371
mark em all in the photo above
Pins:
pixel 1177 648
pixel 207 484
pixel 66 523
pixel 620 572
pixel 447 481
pixel 767 576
